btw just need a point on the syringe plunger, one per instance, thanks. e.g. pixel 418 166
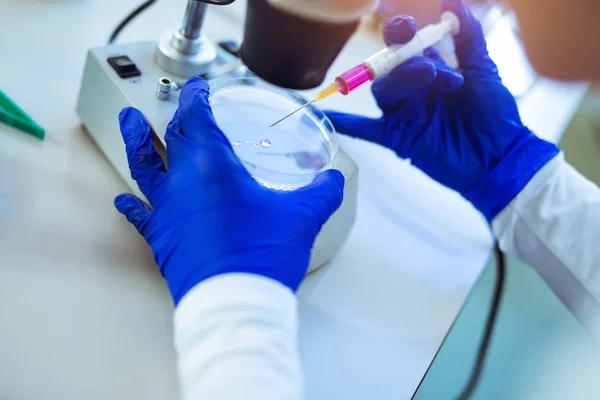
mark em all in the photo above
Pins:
pixel 395 55
pixel 391 57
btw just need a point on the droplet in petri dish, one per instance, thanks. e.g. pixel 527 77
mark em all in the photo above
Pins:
pixel 236 142
pixel 303 146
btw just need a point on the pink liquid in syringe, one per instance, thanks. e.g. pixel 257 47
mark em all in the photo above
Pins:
pixel 354 78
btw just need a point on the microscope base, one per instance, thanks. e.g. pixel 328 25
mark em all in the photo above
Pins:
pixel 104 93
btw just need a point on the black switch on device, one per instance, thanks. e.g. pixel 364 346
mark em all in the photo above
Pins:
pixel 124 66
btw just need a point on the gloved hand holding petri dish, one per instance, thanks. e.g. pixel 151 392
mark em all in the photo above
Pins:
pixel 205 215
pixel 285 157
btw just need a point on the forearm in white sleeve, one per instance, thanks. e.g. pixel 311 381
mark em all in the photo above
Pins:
pixel 554 226
pixel 236 338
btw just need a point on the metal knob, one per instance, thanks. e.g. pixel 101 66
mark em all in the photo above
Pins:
pixel 163 89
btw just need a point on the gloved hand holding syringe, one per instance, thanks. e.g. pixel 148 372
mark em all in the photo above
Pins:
pixel 387 59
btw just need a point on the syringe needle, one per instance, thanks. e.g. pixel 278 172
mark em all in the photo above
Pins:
pixel 328 91
pixel 293 112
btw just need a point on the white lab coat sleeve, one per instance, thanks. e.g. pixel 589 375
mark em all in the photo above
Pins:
pixel 236 338
pixel 554 226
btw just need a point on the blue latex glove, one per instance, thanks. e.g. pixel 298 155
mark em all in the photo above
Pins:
pixel 462 128
pixel 207 216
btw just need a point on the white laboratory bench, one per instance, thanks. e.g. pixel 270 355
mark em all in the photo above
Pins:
pixel 84 311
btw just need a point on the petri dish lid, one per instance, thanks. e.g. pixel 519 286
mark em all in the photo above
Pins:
pixel 285 157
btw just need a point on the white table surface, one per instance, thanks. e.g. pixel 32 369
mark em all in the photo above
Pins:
pixel 86 315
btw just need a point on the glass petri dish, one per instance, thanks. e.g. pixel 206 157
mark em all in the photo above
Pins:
pixel 290 154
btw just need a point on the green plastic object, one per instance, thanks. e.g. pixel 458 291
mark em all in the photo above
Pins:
pixel 12 115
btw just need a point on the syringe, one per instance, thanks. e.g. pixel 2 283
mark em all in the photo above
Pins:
pixel 387 59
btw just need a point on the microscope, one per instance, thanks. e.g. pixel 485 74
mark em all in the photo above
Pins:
pixel 287 43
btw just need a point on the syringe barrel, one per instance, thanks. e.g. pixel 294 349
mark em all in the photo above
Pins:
pixel 395 55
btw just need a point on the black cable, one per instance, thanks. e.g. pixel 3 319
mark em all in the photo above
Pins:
pixel 139 9
pixel 489 326
pixel 142 7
